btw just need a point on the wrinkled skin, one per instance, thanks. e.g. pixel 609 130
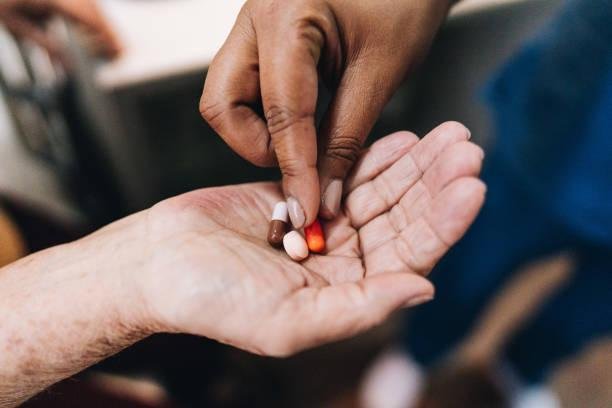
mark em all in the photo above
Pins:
pixel 261 89
pixel 211 272
pixel 26 20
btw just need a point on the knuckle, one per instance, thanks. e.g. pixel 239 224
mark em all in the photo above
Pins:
pixel 272 10
pixel 308 30
pixel 344 149
pixel 211 109
pixel 262 159
pixel 280 118
pixel 292 167
pixel 261 153
pixel 473 160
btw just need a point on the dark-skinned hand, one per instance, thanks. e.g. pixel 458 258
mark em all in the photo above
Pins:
pixel 261 89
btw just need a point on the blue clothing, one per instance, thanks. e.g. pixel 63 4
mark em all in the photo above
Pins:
pixel 550 189
pixel 552 108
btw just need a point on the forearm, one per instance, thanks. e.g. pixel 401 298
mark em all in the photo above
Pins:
pixel 64 309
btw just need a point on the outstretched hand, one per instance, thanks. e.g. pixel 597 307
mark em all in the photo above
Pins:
pixel 211 272
pixel 200 264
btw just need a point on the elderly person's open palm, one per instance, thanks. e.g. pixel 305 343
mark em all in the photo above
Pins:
pixel 407 202
pixel 200 264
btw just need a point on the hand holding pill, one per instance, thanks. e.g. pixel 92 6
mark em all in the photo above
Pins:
pixel 275 58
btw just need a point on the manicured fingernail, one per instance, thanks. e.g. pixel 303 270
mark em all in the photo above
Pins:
pixel 469 132
pixel 419 300
pixel 332 197
pixel 296 213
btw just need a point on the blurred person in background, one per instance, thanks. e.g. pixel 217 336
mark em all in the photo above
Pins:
pixel 549 171
pixel 550 191
pixel 29 22
pixel 26 19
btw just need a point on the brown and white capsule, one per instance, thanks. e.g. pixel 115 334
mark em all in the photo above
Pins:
pixel 278 225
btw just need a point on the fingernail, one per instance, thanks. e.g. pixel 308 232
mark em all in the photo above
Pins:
pixel 332 197
pixel 469 132
pixel 296 213
pixel 419 300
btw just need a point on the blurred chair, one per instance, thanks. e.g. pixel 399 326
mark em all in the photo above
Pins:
pixel 26 151
pixel 50 148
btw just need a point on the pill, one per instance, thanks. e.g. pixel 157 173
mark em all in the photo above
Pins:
pixel 315 237
pixel 295 246
pixel 278 225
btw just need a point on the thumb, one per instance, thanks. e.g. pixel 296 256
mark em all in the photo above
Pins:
pixel 357 104
pixel 289 90
pixel 322 315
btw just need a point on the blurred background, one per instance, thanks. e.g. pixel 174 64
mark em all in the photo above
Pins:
pixel 522 316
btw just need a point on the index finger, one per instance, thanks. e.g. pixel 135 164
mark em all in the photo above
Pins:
pixel 289 86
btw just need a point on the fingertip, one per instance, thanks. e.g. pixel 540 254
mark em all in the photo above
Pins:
pixel 303 196
pixel 311 214
pixel 296 213
pixel 417 301
pixel 331 198
pixel 456 207
pixel 481 152
pixel 457 128
pixel 311 202
pixel 482 186
pixel 472 187
pixel 302 215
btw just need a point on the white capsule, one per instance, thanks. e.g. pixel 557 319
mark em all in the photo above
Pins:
pixel 295 246
pixel 280 212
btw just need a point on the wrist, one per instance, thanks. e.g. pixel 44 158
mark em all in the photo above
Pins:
pixel 180 287
pixel 114 263
pixel 68 307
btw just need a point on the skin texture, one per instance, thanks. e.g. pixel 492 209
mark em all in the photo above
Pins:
pixel 199 263
pixel 26 20
pixel 261 89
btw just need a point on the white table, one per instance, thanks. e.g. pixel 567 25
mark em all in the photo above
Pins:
pixel 164 38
